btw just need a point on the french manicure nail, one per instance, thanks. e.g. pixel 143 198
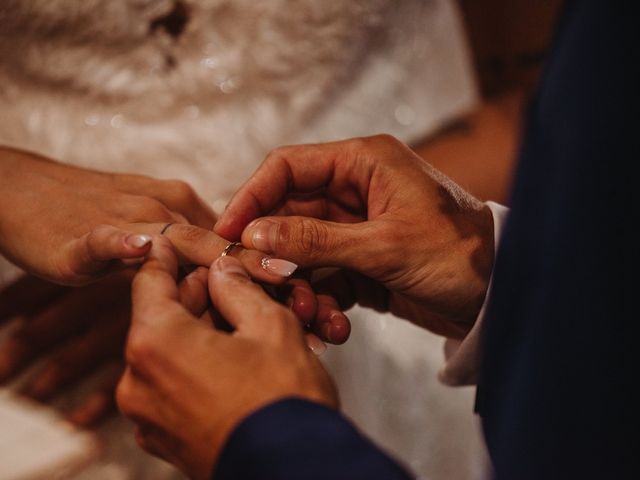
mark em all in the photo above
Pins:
pixel 138 241
pixel 264 235
pixel 279 267
pixel 316 345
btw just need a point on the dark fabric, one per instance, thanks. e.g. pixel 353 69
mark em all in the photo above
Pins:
pixel 559 367
pixel 294 440
pixel 557 386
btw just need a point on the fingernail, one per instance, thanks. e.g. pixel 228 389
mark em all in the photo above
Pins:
pixel 279 267
pixel 325 328
pixel 138 241
pixel 317 346
pixel 229 265
pixel 264 235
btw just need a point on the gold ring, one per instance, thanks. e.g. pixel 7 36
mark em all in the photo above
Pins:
pixel 228 248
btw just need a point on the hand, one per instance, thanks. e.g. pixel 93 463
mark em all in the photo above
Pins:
pixel 71 225
pixel 407 238
pixel 74 334
pixel 68 224
pixel 186 384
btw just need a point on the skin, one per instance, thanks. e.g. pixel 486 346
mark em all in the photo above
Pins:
pixel 403 237
pixel 70 226
pixel 170 352
pixel 398 236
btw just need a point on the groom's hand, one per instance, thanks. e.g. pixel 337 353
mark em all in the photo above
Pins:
pixel 188 385
pixel 374 207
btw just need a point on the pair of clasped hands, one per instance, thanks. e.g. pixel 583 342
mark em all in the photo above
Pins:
pixel 367 221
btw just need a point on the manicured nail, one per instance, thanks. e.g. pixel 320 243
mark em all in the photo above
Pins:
pixel 138 241
pixel 316 345
pixel 230 265
pixel 279 267
pixel 264 235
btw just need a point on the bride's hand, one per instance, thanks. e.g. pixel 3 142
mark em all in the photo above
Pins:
pixel 73 334
pixel 69 225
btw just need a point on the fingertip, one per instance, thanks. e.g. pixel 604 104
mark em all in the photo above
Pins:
pixel 138 241
pixel 340 329
pixel 227 265
pixel 336 329
pixel 199 274
pixel 317 346
pixel 278 266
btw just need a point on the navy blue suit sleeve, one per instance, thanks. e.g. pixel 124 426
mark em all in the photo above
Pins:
pixel 294 439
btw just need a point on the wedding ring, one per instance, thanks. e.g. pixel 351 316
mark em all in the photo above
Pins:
pixel 165 228
pixel 228 248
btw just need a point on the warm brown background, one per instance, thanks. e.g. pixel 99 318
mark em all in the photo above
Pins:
pixel 509 39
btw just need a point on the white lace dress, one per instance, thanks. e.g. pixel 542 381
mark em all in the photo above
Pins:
pixel 201 90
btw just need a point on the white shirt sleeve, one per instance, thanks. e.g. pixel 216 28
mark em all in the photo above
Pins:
pixel 462 357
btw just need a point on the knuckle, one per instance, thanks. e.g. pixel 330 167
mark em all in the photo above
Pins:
pixel 140 351
pixel 307 236
pixel 152 210
pixel 385 138
pixel 66 269
pixel 377 143
pixel 390 238
pixel 191 233
pixel 183 192
pixel 277 153
pixel 124 397
pixel 282 322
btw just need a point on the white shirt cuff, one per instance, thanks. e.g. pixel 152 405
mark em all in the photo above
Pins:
pixel 462 357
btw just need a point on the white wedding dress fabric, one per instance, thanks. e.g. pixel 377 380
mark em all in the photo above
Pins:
pixel 201 90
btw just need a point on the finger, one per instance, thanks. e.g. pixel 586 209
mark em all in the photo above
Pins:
pixel 198 246
pixel 317 346
pixel 96 251
pixel 135 398
pixel 245 305
pixel 61 320
pixel 322 208
pixel 305 168
pixel 310 242
pixel 330 324
pixel 154 289
pixel 78 358
pixel 299 296
pixel 176 195
pixel 101 403
pixel 26 296
pixel 320 312
pixel 193 291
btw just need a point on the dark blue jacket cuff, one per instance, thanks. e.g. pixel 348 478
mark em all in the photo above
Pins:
pixel 298 439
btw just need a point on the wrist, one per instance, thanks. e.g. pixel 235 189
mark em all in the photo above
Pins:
pixel 475 260
pixel 463 358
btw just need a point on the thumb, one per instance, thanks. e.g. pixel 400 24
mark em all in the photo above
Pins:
pixel 310 242
pixel 92 255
